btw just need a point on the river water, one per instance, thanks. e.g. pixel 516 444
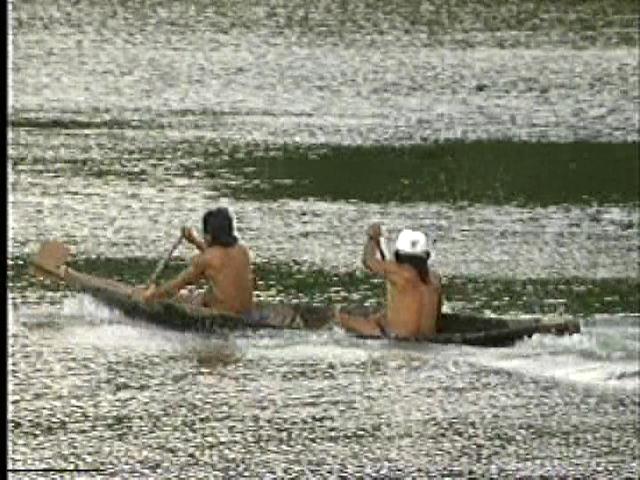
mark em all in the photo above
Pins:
pixel 508 133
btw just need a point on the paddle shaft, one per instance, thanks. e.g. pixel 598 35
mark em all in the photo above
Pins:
pixel 382 255
pixel 164 261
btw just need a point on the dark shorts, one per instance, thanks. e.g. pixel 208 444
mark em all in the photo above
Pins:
pixel 384 332
pixel 387 334
pixel 256 317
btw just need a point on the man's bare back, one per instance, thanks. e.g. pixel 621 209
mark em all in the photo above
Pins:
pixel 229 278
pixel 412 306
pixel 223 263
pixel 414 300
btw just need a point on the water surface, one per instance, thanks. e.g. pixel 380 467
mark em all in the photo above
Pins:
pixel 508 133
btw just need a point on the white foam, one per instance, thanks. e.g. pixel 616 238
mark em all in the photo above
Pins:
pixel 133 337
pixel 315 351
pixel 579 358
pixel 332 345
pixel 96 324
pixel 92 310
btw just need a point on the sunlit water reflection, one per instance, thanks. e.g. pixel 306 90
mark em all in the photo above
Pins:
pixel 128 121
pixel 121 220
pixel 295 402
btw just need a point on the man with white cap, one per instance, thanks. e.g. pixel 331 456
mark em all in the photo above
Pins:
pixel 414 292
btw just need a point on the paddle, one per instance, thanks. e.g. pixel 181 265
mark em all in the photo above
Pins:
pixel 378 243
pixel 164 261
pixel 383 257
pixel 51 256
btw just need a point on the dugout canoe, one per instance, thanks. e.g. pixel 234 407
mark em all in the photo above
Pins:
pixel 456 328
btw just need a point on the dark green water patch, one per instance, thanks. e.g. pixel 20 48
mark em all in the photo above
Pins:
pixel 455 172
pixel 115 147
pixel 298 283
pixel 489 172
pixel 132 119
pixel 610 23
pixel 75 123
pixel 574 296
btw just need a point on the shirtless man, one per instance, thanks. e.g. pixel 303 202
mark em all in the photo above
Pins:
pixel 222 262
pixel 414 293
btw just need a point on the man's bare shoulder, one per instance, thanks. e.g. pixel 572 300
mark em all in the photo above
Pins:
pixel 238 250
pixel 400 273
pixel 212 256
pixel 391 266
pixel 221 254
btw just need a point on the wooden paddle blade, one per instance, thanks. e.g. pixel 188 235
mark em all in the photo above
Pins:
pixel 51 256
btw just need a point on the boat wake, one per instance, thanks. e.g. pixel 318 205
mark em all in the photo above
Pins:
pixel 605 353
pixel 92 311
pixel 89 322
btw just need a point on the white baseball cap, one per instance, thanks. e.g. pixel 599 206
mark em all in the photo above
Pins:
pixel 411 242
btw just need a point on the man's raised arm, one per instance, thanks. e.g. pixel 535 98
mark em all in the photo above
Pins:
pixel 191 236
pixel 371 249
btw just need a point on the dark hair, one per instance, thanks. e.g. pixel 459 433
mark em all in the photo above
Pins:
pixel 218 225
pixel 418 262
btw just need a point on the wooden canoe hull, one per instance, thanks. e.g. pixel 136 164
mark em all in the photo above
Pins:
pixel 455 328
